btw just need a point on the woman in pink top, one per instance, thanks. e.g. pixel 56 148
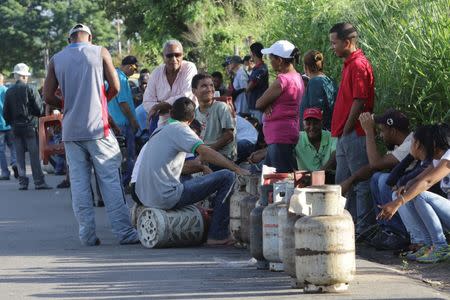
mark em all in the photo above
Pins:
pixel 280 104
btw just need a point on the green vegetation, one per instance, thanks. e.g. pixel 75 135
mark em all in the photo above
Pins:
pixel 407 41
pixel 28 27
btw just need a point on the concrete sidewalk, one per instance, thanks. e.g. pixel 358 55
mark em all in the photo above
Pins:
pixel 41 257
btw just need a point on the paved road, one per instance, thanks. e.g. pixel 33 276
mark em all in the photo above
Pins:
pixel 41 258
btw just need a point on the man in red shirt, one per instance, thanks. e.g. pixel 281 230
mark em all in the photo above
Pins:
pixel 356 95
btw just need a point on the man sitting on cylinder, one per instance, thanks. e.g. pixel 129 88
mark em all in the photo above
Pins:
pixel 158 182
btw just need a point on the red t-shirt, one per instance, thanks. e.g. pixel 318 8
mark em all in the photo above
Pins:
pixel 357 83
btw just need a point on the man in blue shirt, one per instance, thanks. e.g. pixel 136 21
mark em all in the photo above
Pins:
pixel 122 110
pixel 6 139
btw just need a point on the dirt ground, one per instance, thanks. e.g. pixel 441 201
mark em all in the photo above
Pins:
pixel 436 275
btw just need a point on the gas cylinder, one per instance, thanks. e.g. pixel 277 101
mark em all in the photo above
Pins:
pixel 247 205
pixel 325 243
pixel 159 228
pixel 235 208
pixel 286 220
pixel 135 212
pixel 282 191
pixel 252 184
pixel 256 232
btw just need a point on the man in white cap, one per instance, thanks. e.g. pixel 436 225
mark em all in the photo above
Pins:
pixel 80 70
pixel 22 108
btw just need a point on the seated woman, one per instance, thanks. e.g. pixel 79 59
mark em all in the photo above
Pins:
pixel 431 212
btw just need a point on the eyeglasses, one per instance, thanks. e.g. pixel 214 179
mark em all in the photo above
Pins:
pixel 134 67
pixel 177 55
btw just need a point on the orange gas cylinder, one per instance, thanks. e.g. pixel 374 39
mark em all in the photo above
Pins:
pixel 46 126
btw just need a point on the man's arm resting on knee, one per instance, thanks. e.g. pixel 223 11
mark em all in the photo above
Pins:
pixel 226 138
pixel 211 156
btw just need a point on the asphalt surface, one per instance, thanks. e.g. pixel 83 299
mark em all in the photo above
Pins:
pixel 41 258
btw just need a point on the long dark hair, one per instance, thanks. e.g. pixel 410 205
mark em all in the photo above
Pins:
pixel 433 137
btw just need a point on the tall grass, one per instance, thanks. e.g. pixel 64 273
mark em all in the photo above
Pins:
pixel 407 42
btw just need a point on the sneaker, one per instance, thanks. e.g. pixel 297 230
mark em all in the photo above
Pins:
pixel 23 187
pixel 413 255
pixel 65 184
pixel 367 233
pixel 436 255
pixel 43 186
pixel 4 177
pixel 16 171
pixel 386 240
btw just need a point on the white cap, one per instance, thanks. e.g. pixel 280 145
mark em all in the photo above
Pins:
pixel 22 70
pixel 280 48
pixel 80 27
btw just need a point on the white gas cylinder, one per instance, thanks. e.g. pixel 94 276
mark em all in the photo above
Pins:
pixel 159 228
pixel 325 243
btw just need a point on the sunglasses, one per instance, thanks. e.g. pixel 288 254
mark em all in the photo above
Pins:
pixel 134 67
pixel 177 55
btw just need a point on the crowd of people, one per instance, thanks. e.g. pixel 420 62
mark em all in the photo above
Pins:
pixel 185 140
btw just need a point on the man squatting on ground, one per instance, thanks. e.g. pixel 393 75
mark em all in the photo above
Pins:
pixel 160 164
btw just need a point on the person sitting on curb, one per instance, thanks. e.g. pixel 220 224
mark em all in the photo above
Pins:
pixel 431 211
pixel 394 130
pixel 218 123
pixel 315 150
pixel 158 178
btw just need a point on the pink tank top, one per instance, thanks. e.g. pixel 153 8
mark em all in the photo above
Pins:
pixel 282 125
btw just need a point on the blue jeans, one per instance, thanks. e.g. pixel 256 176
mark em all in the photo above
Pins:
pixel 28 141
pixel 413 223
pixel 382 194
pixel 434 216
pixel 198 188
pixel 244 149
pixel 6 139
pixel 351 155
pixel 127 132
pixel 104 156
pixel 281 157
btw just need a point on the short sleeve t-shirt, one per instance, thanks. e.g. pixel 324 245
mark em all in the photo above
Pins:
pixel 260 76
pixel 403 150
pixel 216 118
pixel 124 95
pixel 282 125
pixel 445 182
pixel 357 83
pixel 308 158
pixel 158 180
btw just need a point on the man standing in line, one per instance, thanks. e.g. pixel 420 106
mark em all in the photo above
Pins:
pixel 22 108
pixel 167 83
pixel 6 139
pixel 258 80
pixel 80 70
pixel 122 110
pixel 355 96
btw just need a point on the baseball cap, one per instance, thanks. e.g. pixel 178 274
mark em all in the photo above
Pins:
pixel 313 112
pixel 235 59
pixel 129 60
pixel 80 27
pixel 393 118
pixel 22 69
pixel 281 48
